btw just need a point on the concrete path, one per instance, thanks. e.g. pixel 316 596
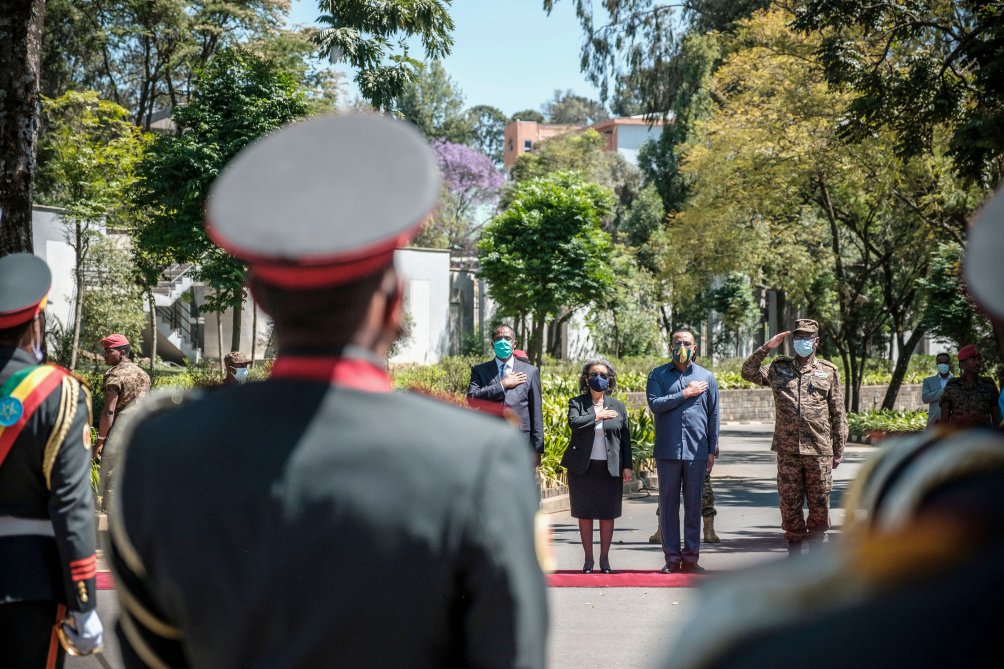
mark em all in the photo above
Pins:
pixel 635 627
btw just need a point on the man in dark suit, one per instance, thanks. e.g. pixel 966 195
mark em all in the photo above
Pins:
pixel 511 385
pixel 246 530
pixel 47 558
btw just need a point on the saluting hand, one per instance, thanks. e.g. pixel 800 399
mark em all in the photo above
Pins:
pixel 776 340
pixel 513 379
pixel 695 388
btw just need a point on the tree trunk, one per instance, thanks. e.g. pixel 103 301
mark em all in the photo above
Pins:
pixel 219 339
pixel 78 293
pixel 235 333
pixel 254 330
pixel 782 317
pixel 20 110
pixel 153 330
pixel 536 351
pixel 899 372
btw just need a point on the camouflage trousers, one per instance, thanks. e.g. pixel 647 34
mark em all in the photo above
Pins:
pixel 708 499
pixel 804 479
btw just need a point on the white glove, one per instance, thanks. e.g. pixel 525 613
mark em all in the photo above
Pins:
pixel 85 633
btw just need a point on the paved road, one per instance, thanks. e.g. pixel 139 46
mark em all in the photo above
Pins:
pixel 635 627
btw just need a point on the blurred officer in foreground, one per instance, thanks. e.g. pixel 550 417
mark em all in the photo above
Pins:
pixel 47 557
pixel 325 520
pixel 916 579
pixel 810 429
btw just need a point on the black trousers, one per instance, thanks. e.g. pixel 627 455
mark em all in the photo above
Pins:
pixel 28 635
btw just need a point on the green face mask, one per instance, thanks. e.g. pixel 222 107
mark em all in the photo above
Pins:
pixel 683 354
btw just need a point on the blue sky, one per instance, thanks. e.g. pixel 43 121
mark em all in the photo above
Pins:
pixel 500 60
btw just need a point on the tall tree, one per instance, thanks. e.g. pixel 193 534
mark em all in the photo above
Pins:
pixel 546 253
pixel 435 104
pixel 470 180
pixel 487 131
pixel 570 109
pixel 375 38
pixel 528 115
pixel 915 66
pixel 237 98
pixel 144 55
pixel 20 106
pixel 91 150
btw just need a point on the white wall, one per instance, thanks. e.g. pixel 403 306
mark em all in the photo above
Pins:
pixel 631 137
pixel 426 277
pixel 49 241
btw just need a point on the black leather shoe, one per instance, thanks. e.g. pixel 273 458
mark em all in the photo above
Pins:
pixel 587 567
pixel 692 568
pixel 671 568
pixel 605 567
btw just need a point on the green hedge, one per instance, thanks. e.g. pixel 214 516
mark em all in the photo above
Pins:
pixel 860 425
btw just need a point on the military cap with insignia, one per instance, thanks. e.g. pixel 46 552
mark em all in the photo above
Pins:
pixel 326 201
pixel 25 281
pixel 806 325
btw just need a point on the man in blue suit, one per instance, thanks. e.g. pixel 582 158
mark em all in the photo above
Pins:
pixel 509 384
pixel 684 398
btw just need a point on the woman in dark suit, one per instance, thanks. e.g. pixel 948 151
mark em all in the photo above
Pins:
pixel 598 458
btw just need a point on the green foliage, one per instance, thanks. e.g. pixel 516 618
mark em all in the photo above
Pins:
pixel 733 300
pixel 144 55
pixel 374 38
pixel 88 156
pixel 570 109
pixel 435 104
pixel 546 252
pixel 865 423
pixel 949 312
pixel 113 302
pixel 918 67
pixel 624 319
pixel 528 115
pixel 238 98
pixel 487 131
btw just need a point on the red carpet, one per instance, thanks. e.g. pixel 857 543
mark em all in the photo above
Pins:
pixel 622 579
pixel 565 579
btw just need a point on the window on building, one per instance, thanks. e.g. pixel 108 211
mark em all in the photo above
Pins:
pixel 528 145
pixel 510 146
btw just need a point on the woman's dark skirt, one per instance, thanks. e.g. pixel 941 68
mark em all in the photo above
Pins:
pixel 595 494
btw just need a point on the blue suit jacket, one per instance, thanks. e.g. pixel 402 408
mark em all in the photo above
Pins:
pixel 685 429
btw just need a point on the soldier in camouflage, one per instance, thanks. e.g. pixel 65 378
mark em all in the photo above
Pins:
pixel 810 429
pixel 124 385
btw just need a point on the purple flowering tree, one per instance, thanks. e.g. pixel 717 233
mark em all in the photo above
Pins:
pixel 470 181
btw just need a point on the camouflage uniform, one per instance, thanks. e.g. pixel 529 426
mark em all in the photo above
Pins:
pixel 132 384
pixel 810 428
pixel 969 405
pixel 708 499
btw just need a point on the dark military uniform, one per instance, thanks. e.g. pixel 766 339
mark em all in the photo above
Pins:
pixel 965 404
pixel 320 519
pixel 915 582
pixel 47 535
pixel 810 429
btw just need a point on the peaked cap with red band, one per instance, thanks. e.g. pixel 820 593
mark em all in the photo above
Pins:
pixel 325 201
pixel 984 251
pixel 25 280
pixel 114 341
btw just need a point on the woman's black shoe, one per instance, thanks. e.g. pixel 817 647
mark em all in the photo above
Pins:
pixel 605 567
pixel 587 567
